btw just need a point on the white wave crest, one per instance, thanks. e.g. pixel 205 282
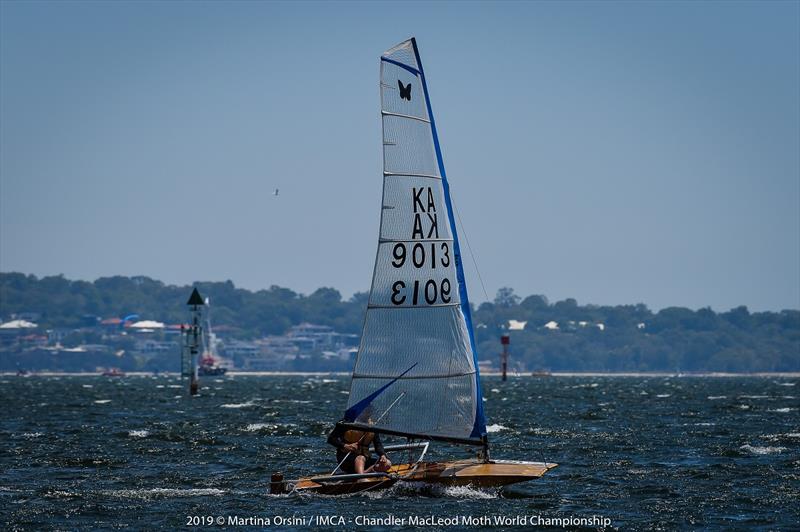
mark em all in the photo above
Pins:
pixel 255 427
pixel 139 433
pixel 762 450
pixel 102 401
pixel 785 410
pixel 716 397
pixel 495 428
pixel 664 395
pixel 773 437
pixel 238 405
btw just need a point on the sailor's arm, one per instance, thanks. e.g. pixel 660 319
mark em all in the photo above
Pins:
pixel 335 437
pixel 376 441
pixel 383 460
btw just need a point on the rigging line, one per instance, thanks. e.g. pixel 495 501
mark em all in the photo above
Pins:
pixel 469 247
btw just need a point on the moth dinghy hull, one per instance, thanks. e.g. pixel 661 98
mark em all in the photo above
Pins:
pixel 477 473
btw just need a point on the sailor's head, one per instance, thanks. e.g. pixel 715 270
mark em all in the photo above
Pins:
pixel 366 415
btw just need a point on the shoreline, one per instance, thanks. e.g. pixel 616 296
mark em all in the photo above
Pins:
pixel 715 374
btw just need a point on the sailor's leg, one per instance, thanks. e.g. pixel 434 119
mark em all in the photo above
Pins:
pixel 370 465
pixel 359 463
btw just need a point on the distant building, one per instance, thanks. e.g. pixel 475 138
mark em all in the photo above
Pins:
pixel 309 337
pixel 56 336
pixel 147 325
pixel 12 331
pixel 237 348
pixel 301 343
pixel 155 346
pixel 17 325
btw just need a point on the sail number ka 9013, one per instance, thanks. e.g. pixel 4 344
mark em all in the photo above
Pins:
pixel 418 255
pixel 421 255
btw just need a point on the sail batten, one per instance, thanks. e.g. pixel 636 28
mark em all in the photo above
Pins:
pixel 357 376
pixel 393 307
pixel 410 117
pixel 416 371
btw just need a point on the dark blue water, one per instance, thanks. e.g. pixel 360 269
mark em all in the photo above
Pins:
pixel 647 453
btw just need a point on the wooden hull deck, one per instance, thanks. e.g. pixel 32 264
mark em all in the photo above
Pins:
pixel 495 473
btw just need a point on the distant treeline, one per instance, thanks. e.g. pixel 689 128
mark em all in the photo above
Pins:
pixel 588 337
pixel 633 338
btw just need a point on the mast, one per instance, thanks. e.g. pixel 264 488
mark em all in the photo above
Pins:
pixel 479 429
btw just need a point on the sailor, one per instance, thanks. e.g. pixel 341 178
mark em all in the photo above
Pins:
pixel 352 450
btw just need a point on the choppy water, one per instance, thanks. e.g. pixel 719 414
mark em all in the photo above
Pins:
pixel 648 453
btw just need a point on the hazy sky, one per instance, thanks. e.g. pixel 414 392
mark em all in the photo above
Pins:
pixel 614 153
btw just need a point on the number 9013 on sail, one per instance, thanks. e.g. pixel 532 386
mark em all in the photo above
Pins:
pixel 415 274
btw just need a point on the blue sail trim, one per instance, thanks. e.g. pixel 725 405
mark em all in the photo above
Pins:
pixel 479 427
pixel 352 413
pixel 402 65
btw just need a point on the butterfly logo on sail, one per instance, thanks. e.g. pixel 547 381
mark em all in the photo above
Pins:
pixel 405 91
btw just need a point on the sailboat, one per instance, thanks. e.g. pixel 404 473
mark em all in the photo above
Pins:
pixel 416 372
pixel 210 360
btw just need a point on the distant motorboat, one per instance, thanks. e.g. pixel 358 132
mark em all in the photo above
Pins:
pixel 210 361
pixel 209 367
pixel 113 372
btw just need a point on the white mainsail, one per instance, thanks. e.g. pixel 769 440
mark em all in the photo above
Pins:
pixel 416 370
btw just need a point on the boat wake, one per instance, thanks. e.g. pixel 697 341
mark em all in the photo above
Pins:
pixel 423 489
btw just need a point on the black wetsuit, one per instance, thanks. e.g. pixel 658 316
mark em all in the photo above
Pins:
pixel 336 438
